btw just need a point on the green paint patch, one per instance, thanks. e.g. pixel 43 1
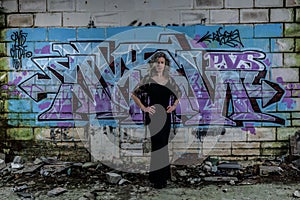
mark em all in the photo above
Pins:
pixel 2 35
pixel 292 30
pixel 297 45
pixel 19 134
pixel 4 63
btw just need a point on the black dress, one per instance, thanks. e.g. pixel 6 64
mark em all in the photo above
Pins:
pixel 160 97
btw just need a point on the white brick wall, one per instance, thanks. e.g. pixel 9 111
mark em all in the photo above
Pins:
pixel 292 3
pixel 76 19
pixel 10 5
pixel 224 16
pixel 90 6
pixel 20 20
pixel 287 74
pixel 238 4
pixel 48 19
pixel 192 17
pixel 281 15
pixel 61 5
pixel 268 3
pixel 105 19
pixel 32 5
pixel 254 15
pixel 204 4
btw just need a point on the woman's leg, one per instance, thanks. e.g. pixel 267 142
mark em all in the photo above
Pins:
pixel 159 164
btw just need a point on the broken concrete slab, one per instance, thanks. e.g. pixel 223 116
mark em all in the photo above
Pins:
pixel 220 179
pixel 113 177
pixel 229 165
pixel 267 170
pixel 18 160
pixel 56 191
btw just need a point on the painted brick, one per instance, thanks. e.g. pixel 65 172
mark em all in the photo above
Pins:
pixel 76 19
pixel 276 60
pixel 204 4
pixel 292 59
pixel 263 134
pixel 4 63
pixel 10 5
pixel 19 134
pixel 245 152
pixel 233 134
pixel 245 31
pixel 147 17
pixel 274 145
pixel 286 132
pixel 254 15
pixel 3 52
pixel 192 17
pixel 135 18
pixel 36 34
pixel 110 32
pixel 268 3
pixel 296 122
pixel 61 34
pixel 245 145
pixel 17 105
pixel 286 74
pixel 2 21
pixel 32 5
pixel 268 30
pixel 61 5
pixel 273 152
pixel 292 3
pixel 48 19
pixel 259 44
pixel 296 115
pixel 165 17
pixel 281 15
pixel 297 45
pixel 282 45
pixel 106 19
pixel 119 5
pixel 238 4
pixel 91 33
pixel 292 30
pixel 290 104
pixel 90 6
pixel 215 144
pixel 216 152
pixel 224 16
pixel 20 20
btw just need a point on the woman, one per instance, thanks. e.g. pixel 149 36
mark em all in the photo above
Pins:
pixel 162 98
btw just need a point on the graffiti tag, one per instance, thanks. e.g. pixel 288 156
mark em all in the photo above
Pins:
pixel 231 38
pixel 18 49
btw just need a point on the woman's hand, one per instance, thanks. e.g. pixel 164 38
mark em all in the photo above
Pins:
pixel 171 108
pixel 150 110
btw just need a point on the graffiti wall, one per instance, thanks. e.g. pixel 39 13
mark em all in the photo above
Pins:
pixel 73 77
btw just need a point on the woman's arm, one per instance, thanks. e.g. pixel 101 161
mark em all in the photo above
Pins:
pixel 173 107
pixel 150 109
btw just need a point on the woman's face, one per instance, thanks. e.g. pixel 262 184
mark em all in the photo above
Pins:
pixel 160 66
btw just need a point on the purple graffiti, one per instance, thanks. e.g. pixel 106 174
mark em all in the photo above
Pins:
pixel 219 87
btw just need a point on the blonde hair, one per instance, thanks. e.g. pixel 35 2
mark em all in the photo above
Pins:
pixel 153 63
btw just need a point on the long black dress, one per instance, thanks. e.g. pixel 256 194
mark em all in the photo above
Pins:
pixel 159 124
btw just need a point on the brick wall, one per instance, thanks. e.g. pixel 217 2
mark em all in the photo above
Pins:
pixel 50 31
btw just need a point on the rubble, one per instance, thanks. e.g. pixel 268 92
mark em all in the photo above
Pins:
pixel 53 177
pixel 56 191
